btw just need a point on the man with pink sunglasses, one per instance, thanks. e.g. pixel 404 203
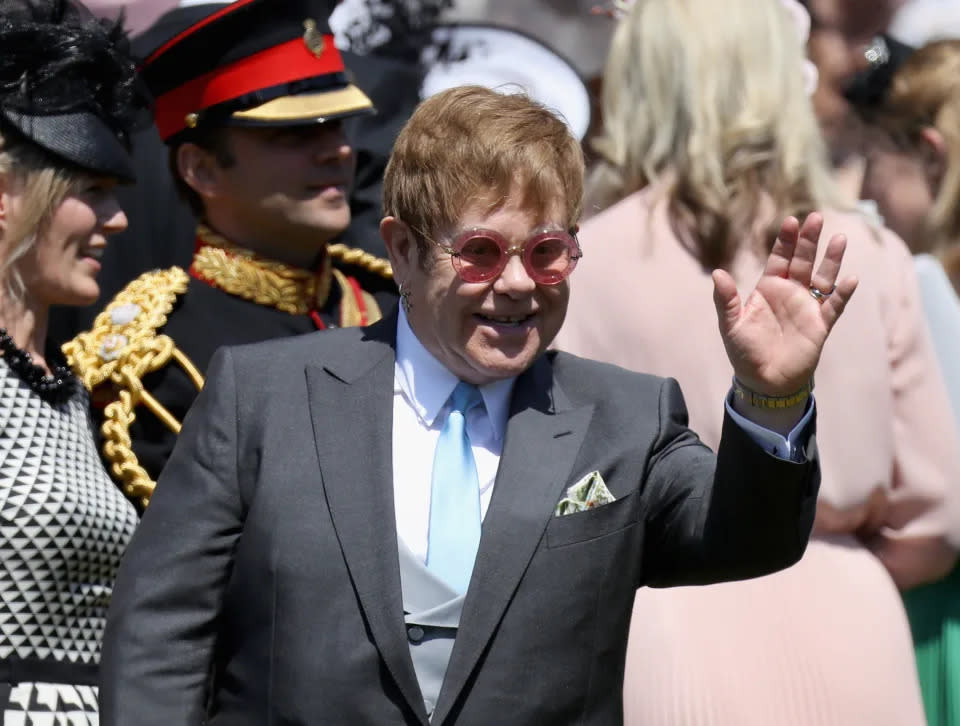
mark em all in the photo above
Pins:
pixel 432 520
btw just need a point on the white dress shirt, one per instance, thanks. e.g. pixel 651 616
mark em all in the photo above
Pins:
pixel 421 389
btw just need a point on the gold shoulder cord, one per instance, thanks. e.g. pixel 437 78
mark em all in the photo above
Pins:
pixel 122 347
pixel 350 314
pixel 361 258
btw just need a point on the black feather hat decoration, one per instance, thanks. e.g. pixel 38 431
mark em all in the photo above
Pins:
pixel 68 83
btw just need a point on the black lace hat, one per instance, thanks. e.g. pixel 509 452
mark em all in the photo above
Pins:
pixel 69 84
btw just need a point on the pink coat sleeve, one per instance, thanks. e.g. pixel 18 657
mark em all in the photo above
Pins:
pixel 919 535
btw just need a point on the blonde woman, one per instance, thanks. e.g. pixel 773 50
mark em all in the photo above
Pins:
pixel 710 139
pixel 913 173
pixel 67 97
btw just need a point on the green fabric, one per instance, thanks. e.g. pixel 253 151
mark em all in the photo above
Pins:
pixel 934 612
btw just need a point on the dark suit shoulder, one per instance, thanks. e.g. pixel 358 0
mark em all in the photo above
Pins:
pixel 587 381
pixel 332 347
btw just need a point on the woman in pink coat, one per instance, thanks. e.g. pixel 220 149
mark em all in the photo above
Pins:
pixel 710 139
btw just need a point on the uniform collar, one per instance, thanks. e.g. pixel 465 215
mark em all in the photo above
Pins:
pixel 241 272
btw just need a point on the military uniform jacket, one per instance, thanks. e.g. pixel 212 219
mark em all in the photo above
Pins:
pixel 145 359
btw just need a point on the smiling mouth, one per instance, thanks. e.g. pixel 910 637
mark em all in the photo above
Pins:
pixel 333 184
pixel 506 321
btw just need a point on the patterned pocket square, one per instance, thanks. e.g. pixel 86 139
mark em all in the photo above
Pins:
pixel 588 493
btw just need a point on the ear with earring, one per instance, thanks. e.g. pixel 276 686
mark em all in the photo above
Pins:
pixel 405 298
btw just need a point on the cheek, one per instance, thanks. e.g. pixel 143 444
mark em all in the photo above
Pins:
pixel 43 259
pixel 72 224
pixel 899 187
pixel 554 302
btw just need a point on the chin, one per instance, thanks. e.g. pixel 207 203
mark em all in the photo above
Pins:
pixel 81 296
pixel 498 368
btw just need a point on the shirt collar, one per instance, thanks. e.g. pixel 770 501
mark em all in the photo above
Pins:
pixel 427 384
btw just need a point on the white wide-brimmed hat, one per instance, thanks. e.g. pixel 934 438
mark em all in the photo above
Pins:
pixel 470 53
pixel 922 21
pixel 507 60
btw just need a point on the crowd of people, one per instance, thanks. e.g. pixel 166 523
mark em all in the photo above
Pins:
pixel 287 435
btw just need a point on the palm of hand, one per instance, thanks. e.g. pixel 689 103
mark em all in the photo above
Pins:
pixel 774 340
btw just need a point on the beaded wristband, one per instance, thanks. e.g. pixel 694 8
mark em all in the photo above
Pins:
pixel 761 400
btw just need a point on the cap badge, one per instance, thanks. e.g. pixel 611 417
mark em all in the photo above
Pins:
pixel 313 38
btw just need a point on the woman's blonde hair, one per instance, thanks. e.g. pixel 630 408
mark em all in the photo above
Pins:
pixel 42 184
pixel 925 92
pixel 710 96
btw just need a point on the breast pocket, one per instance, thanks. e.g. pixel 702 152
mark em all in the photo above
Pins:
pixel 593 523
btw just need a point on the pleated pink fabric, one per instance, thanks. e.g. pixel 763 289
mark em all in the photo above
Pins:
pixel 825 643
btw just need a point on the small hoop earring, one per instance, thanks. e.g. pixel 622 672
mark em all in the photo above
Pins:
pixel 405 299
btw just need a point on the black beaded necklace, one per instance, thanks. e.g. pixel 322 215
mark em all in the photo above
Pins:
pixel 53 389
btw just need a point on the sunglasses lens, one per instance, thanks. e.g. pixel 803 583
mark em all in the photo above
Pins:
pixel 550 259
pixel 479 259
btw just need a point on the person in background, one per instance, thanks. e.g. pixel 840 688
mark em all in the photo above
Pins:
pixel 843 43
pixel 251 102
pixel 460 541
pixel 162 225
pixel 914 160
pixel 709 148
pixel 68 103
pixel 913 174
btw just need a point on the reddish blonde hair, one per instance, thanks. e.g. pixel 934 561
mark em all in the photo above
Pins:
pixel 470 143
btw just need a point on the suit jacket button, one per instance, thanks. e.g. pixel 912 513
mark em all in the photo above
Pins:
pixel 415 633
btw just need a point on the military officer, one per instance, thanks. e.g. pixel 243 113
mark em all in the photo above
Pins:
pixel 250 101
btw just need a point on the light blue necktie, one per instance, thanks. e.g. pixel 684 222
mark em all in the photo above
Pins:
pixel 455 496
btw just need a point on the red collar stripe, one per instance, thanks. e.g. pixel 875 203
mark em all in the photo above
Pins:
pixel 284 63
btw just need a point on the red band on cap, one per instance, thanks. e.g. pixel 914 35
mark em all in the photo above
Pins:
pixel 284 63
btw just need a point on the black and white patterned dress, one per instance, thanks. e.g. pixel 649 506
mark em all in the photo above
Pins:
pixel 63 528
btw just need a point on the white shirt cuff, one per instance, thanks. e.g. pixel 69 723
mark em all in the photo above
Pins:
pixel 792 447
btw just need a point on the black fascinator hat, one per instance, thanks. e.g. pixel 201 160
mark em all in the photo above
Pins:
pixel 69 85
pixel 868 90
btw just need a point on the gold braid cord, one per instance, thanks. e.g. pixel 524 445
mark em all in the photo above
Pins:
pixel 360 258
pixel 122 347
pixel 124 344
pixel 350 313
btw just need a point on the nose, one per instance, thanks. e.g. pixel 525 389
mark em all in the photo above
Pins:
pixel 113 216
pixel 332 145
pixel 514 281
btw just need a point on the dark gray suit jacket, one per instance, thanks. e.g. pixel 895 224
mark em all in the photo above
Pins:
pixel 262 586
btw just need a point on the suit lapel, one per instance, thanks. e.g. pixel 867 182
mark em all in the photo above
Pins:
pixel 544 435
pixel 351 403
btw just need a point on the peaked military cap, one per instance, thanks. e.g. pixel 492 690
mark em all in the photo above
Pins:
pixel 252 63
